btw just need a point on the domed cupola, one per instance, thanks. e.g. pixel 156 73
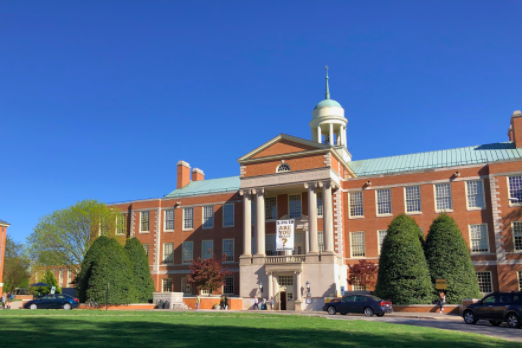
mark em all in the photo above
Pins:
pixel 329 125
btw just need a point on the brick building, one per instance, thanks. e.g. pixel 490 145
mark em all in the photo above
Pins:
pixel 3 236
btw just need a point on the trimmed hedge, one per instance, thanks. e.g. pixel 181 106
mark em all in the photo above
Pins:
pixel 140 269
pixel 448 258
pixel 403 274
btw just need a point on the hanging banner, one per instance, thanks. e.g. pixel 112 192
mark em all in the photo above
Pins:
pixel 285 235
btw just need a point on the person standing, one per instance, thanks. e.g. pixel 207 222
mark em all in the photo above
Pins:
pixel 4 299
pixel 272 303
pixel 441 302
pixel 197 301
pixel 255 306
pixel 226 303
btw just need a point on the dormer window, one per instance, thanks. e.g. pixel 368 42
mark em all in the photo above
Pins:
pixel 284 167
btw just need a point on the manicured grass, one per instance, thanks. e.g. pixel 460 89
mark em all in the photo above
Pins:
pixel 84 328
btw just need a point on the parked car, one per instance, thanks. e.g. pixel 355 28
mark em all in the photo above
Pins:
pixel 57 301
pixel 497 308
pixel 359 304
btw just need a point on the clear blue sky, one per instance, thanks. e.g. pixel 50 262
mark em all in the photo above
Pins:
pixel 100 99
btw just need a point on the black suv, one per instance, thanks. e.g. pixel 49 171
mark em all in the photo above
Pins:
pixel 496 308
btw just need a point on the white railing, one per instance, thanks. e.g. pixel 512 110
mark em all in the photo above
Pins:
pixel 284 259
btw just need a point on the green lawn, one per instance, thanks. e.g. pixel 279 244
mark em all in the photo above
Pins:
pixel 80 328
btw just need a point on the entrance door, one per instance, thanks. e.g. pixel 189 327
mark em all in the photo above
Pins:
pixel 283 300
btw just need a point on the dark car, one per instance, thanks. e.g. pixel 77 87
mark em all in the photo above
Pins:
pixel 57 301
pixel 359 304
pixel 497 307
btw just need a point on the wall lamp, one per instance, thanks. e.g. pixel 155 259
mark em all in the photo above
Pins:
pixel 308 286
pixel 261 287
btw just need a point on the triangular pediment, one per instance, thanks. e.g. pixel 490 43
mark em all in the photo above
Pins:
pixel 283 144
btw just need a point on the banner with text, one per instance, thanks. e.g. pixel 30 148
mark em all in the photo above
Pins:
pixel 284 235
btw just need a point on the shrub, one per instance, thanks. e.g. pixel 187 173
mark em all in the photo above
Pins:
pixel 448 258
pixel 403 275
pixel 143 282
pixel 207 274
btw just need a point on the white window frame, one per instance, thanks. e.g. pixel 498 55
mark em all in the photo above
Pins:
pixel 276 206
pixel 450 210
pixel 165 212
pixel 204 251
pixel 185 218
pixel 283 171
pixel 390 202
pixel 149 223
pixel 518 274
pixel 167 280
pixel 185 288
pixel 121 232
pixel 321 237
pixel 491 282
pixel 470 239
pixel 467 195
pixel 405 200
pixel 289 205
pixel 514 234
pixel 380 244
pixel 60 277
pixel 146 249
pixel 185 261
pixel 225 286
pixel 169 259
pixel 270 240
pixel 69 276
pixel 224 215
pixel 352 256
pixel 510 204
pixel 362 210
pixel 223 249
pixel 204 208
pixel 319 200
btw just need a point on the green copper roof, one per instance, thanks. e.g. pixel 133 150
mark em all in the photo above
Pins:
pixel 437 159
pixel 231 183
pixel 327 102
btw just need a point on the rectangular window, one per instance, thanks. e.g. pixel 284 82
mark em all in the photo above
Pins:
pixel 167 285
pixel 228 249
pixel 186 288
pixel 228 215
pixel 294 206
pixel 60 278
pixel 120 224
pixel 169 220
pixel 319 201
pixel 443 197
pixel 478 238
pixel 475 197
pixel 519 280
pixel 270 245
pixel 69 277
pixel 358 287
pixel 229 285
pixel 208 216
pixel 356 204
pixel 187 248
pixel 146 248
pixel 381 237
pixel 514 183
pixel 285 280
pixel 253 211
pixel 188 215
pixel 516 233
pixel 321 244
pixel 484 281
pixel 357 244
pixel 144 221
pixel 270 208
pixel 413 199
pixel 207 249
pixel 168 253
pixel 383 201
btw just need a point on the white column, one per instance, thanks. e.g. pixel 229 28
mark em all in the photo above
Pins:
pixel 331 134
pixel 298 286
pixel 260 222
pixel 313 217
pixel 270 286
pixel 344 135
pixel 247 223
pixel 305 241
pixel 328 233
pixel 319 134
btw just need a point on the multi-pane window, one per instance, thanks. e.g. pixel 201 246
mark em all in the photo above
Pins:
pixel 295 206
pixel 478 238
pixel 169 220
pixel 320 206
pixel 381 237
pixel 228 215
pixel 146 249
pixel 188 215
pixel 228 288
pixel 519 280
pixel 297 244
pixel 475 194
pixel 358 287
pixel 285 280
pixel 356 203
pixel 253 211
pixel 69 276
pixel 167 285
pixel 186 288
pixel 120 224
pixel 484 281
pixel 383 202
pixel 60 277
pixel 412 199
pixel 270 245
pixel 514 183
pixel 283 168
pixel 357 244
pixel 208 216
pixel 228 249
pixel 516 232
pixel 207 249
pixel 144 221
pixel 187 248
pixel 321 243
pixel 443 197
pixel 270 208
pixel 168 253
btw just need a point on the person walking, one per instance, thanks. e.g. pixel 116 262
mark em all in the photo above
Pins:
pixel 441 302
pixel 272 302
pixel 197 302
pixel 226 303
pixel 4 299
pixel 255 306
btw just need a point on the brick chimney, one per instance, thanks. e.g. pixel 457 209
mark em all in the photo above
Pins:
pixel 197 174
pixel 184 174
pixel 514 131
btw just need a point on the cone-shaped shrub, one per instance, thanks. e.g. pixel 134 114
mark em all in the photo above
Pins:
pixel 448 258
pixel 403 275
pixel 106 262
pixel 140 269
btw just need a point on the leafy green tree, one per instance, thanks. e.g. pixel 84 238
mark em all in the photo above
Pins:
pixel 63 237
pixel 448 258
pixel 403 275
pixel 106 262
pixel 49 279
pixel 140 269
pixel 16 266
